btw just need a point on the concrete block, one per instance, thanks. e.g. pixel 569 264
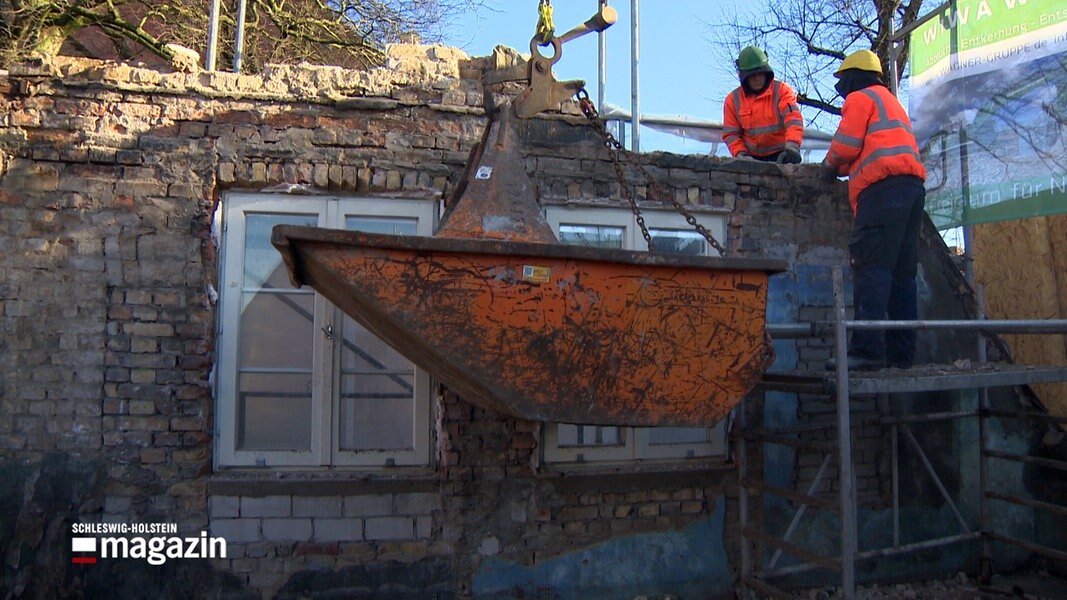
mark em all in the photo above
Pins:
pixel 316 506
pixel 368 506
pixel 338 530
pixel 287 529
pixel 268 506
pixel 423 527
pixel 236 530
pixel 417 504
pixel 390 528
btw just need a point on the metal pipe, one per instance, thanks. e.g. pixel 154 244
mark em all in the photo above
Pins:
pixel 1047 506
pixel 844 444
pixel 816 328
pixel 1037 548
pixel 790 330
pixel 792 442
pixel 742 474
pixel 919 22
pixel 635 60
pixel 928 417
pixel 937 480
pixel 896 488
pixel 934 543
pixel 1026 414
pixel 602 64
pixel 963 537
pixel 997 326
pixel 815 140
pixel 985 567
pixel 1049 463
pixel 894 76
pixel 800 511
pixel 804 554
pixel 758 485
pixel 212 36
pixel 239 37
pixel 781 431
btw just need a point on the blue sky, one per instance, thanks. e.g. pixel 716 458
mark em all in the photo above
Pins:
pixel 679 75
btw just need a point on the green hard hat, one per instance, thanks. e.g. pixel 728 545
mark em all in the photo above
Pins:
pixel 752 59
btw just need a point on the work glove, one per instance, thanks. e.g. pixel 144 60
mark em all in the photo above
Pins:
pixel 743 154
pixel 791 154
pixel 827 172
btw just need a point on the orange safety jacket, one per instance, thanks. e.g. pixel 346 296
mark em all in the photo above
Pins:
pixel 762 123
pixel 873 141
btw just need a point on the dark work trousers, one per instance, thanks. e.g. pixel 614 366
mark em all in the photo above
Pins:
pixel 884 254
pixel 769 157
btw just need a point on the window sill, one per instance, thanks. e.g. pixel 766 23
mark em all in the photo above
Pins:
pixel 641 475
pixel 274 482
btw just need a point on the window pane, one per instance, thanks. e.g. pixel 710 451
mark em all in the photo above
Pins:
pixel 377 411
pixel 390 225
pixel 274 411
pixel 674 241
pixel 592 235
pixel 263 266
pixel 377 382
pixel 377 392
pixel 362 351
pixel 677 435
pixel 277 330
pixel 587 435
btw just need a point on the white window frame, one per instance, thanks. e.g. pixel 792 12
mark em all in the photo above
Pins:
pixel 325 448
pixel 635 442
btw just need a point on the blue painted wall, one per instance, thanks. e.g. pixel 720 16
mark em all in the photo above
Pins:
pixel 687 563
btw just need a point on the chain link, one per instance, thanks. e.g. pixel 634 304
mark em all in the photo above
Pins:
pixel 614 150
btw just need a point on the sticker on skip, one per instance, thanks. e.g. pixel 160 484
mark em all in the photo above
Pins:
pixel 535 274
pixel 483 172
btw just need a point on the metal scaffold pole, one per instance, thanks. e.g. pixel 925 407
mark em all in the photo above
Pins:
pixel 212 36
pixel 239 39
pixel 635 94
pixel 602 63
pixel 844 443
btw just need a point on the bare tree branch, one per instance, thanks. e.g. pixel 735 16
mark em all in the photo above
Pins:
pixel 349 33
pixel 807 39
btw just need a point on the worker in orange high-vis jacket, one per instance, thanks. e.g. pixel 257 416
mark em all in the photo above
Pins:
pixel 761 119
pixel 875 148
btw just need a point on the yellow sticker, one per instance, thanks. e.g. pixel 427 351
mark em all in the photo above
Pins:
pixel 535 274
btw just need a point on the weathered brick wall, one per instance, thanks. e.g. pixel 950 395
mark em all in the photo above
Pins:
pixel 111 176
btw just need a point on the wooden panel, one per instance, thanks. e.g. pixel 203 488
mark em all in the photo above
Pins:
pixel 1024 271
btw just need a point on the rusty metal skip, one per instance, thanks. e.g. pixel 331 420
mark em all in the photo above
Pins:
pixel 502 313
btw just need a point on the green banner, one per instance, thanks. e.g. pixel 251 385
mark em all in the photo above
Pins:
pixel 987 101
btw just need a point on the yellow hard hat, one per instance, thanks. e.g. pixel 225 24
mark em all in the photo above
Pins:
pixel 864 60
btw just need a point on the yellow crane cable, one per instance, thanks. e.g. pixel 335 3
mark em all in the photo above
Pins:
pixel 545 29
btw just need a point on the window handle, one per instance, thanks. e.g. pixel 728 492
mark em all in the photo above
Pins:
pixel 328 330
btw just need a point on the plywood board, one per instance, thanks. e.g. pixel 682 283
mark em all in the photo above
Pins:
pixel 1022 266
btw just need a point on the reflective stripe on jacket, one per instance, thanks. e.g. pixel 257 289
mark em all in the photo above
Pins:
pixel 761 124
pixel 873 141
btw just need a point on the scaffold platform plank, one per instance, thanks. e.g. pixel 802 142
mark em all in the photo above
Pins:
pixel 920 378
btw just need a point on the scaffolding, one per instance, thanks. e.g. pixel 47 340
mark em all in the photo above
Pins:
pixel 841 384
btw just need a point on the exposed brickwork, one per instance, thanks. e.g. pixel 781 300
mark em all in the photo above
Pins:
pixel 111 176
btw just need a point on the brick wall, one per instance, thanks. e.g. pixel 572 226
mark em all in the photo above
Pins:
pixel 111 176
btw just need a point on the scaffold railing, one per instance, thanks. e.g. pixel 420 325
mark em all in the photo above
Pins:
pixel 842 384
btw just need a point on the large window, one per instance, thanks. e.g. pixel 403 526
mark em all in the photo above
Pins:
pixel 614 228
pixel 299 382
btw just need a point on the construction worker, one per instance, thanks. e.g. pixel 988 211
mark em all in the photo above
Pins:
pixel 875 148
pixel 760 119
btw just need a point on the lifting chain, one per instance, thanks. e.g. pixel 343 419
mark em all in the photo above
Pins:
pixel 614 150
pixel 545 29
